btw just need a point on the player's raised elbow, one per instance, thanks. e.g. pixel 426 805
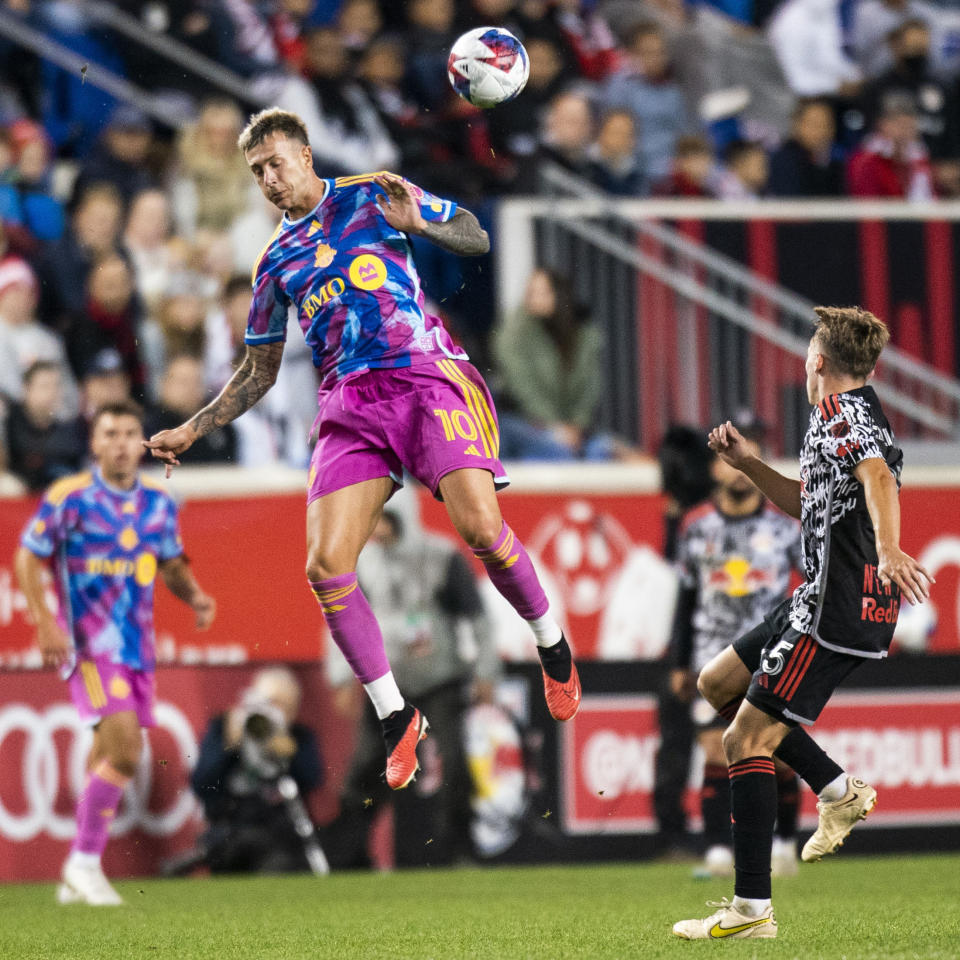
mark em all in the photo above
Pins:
pixel 483 243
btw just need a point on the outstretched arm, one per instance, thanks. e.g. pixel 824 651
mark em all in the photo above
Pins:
pixel 253 378
pixel 461 234
pixel 883 503
pixel 727 442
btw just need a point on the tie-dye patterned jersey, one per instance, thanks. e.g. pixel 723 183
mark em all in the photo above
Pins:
pixel 352 279
pixel 105 545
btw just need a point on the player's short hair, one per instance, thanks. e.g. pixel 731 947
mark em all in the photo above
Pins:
pixel 272 120
pixel 851 338
pixel 122 408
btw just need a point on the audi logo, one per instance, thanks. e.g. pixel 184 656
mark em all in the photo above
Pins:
pixel 41 774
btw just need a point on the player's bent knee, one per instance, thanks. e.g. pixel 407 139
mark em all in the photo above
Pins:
pixel 322 567
pixel 480 528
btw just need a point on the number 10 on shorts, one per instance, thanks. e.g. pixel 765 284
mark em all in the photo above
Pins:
pixel 456 423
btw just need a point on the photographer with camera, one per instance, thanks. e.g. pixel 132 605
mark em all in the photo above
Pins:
pixel 256 767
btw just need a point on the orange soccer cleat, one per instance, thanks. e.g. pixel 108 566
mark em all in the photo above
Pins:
pixel 561 682
pixel 402 731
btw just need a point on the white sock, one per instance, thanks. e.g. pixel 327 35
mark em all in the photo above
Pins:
pixel 84 859
pixel 385 695
pixel 750 907
pixel 836 789
pixel 546 630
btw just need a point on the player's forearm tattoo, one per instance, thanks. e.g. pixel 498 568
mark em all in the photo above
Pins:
pixel 254 377
pixel 462 234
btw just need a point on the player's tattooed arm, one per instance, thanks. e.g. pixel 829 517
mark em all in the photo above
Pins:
pixel 461 234
pixel 252 379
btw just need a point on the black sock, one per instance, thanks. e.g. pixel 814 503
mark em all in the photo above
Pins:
pixel 798 750
pixel 729 710
pixel 715 805
pixel 556 660
pixel 753 805
pixel 788 803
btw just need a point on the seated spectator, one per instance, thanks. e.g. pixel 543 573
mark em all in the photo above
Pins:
pixel 146 242
pixel 93 231
pixel 892 161
pixel 244 753
pixel 807 39
pixel 911 74
pixel 613 165
pixel 111 317
pixel 565 140
pixel 182 394
pixel 287 24
pixel 430 34
pixel 808 163
pixel 43 447
pixel 242 38
pixel 693 172
pixel 359 21
pixel 747 169
pixel 589 37
pixel 549 363
pixel 104 381
pixel 23 340
pixel 212 185
pixel 646 87
pixel 26 198
pixel 346 133
pixel 121 154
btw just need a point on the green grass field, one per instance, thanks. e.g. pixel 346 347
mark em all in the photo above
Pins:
pixel 895 908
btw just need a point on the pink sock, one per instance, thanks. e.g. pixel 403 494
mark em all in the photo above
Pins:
pixel 97 807
pixel 511 571
pixel 354 628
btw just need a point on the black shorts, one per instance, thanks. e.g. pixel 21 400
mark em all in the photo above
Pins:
pixel 793 676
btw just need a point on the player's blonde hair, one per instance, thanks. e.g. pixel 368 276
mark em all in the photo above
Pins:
pixel 272 120
pixel 852 338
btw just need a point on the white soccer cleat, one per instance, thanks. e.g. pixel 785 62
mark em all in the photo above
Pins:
pixel 85 883
pixel 838 818
pixel 783 858
pixel 728 923
pixel 717 862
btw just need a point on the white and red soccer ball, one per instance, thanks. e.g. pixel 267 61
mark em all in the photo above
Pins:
pixel 487 66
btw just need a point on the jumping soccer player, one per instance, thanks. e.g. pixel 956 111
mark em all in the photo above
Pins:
pixel 395 393
pixel 735 557
pixel 845 611
pixel 107 532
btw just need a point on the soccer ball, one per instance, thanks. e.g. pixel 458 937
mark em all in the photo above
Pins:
pixel 488 66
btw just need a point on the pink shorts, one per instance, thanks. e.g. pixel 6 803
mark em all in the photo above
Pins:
pixel 431 419
pixel 100 687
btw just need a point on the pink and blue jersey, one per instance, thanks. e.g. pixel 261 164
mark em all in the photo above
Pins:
pixel 105 544
pixel 353 282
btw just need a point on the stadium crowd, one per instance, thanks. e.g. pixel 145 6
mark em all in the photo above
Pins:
pixel 126 241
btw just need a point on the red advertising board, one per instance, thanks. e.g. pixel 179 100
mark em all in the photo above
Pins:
pixel 598 555
pixel 906 743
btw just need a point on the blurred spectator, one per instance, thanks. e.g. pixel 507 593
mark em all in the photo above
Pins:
pixel 566 136
pixel 287 23
pixel 807 38
pixel 244 754
pixel 892 161
pixel 25 197
pixel 647 88
pixel 872 22
pixel 613 164
pixel 693 170
pixel 212 184
pixel 747 169
pixel 43 447
pixel 808 163
pixel 430 34
pixel 182 394
pixel 936 103
pixel 549 361
pixel 120 156
pixel 110 318
pixel 242 38
pixel 146 242
pixel 104 381
pixel 423 619
pixel 359 21
pixel 23 340
pixel 347 135
pixel 589 36
pixel 94 229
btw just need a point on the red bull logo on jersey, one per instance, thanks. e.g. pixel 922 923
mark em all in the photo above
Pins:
pixel 329 291
pixel 880 603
